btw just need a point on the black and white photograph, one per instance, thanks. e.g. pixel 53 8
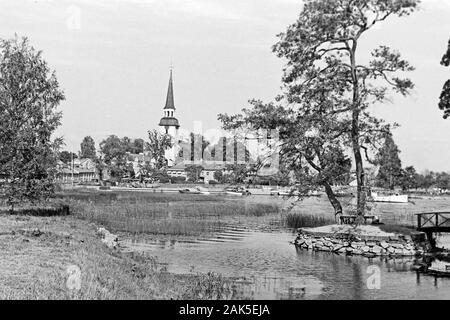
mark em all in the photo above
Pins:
pixel 243 151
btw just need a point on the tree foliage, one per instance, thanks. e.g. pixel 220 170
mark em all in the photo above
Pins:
pixel 156 146
pixel 328 92
pixel 87 148
pixel 390 166
pixel 193 172
pixel 409 179
pixel 113 153
pixel 444 99
pixel 29 97
pixel 66 156
pixel 322 52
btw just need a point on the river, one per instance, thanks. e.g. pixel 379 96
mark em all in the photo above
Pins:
pixel 265 265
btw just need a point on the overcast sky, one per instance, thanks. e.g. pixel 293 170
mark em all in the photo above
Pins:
pixel 112 59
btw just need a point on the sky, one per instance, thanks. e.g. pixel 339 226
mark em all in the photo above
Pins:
pixel 112 60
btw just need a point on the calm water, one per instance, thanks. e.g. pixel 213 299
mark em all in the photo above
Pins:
pixel 266 266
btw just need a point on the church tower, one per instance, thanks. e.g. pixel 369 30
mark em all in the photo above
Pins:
pixel 168 123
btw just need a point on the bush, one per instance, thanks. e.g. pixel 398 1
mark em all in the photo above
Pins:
pixel 164 180
pixel 213 182
pixel 178 179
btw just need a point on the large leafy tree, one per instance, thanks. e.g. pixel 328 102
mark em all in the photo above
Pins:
pixel 113 155
pixel 87 148
pixel 322 53
pixel 29 97
pixel 310 144
pixel 444 99
pixel 193 172
pixel 409 179
pixel 390 171
pixel 156 147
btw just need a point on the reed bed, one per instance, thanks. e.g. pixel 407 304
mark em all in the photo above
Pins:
pixel 168 214
pixel 302 220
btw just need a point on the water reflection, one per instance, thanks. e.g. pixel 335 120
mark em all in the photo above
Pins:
pixel 265 266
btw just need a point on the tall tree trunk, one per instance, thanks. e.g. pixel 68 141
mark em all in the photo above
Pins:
pixel 333 199
pixel 360 180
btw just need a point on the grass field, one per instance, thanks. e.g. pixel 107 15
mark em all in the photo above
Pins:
pixel 34 265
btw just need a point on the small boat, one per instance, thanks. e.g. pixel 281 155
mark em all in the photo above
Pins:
pixel 395 198
pixel 202 190
pixel 234 193
pixel 237 192
pixel 439 268
pixel 189 191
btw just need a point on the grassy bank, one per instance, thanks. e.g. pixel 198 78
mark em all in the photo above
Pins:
pixel 35 264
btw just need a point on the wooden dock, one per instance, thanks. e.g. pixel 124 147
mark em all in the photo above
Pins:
pixel 433 222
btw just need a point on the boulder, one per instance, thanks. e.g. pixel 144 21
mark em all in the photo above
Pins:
pixel 365 249
pixel 384 244
pixel 376 249
pixel 111 240
pixel 390 250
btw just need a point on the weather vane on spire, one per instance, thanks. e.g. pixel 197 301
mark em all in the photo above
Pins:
pixel 171 65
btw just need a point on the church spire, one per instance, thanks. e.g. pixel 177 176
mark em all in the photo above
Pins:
pixel 169 100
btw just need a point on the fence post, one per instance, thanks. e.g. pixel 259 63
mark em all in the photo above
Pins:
pixel 419 222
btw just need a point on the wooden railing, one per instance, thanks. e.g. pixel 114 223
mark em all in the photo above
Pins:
pixel 433 221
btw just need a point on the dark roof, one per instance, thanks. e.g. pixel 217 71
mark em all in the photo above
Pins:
pixel 169 121
pixel 169 100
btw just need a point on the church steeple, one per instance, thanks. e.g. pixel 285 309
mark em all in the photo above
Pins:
pixel 169 100
pixel 169 124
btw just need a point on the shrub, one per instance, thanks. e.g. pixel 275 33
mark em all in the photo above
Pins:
pixel 213 182
pixel 178 179
pixel 164 180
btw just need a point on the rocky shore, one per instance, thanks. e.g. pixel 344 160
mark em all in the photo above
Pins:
pixel 367 241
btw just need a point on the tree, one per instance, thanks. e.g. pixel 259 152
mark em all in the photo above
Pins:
pixel 409 178
pixel 309 144
pixel 193 172
pixel 87 148
pixel 321 49
pixel 157 146
pixel 29 97
pixel 390 172
pixel 444 99
pixel 66 156
pixel 113 153
pixel 138 146
pixel 442 181
pixel 218 176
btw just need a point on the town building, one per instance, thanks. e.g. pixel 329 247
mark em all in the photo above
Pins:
pixel 78 170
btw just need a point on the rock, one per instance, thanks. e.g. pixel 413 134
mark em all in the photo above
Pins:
pixel 357 252
pixel 365 249
pixel 111 240
pixel 371 243
pixel 368 254
pixel 342 250
pixel 391 250
pixel 384 244
pixel 398 252
pixel 376 249
pixel 397 246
